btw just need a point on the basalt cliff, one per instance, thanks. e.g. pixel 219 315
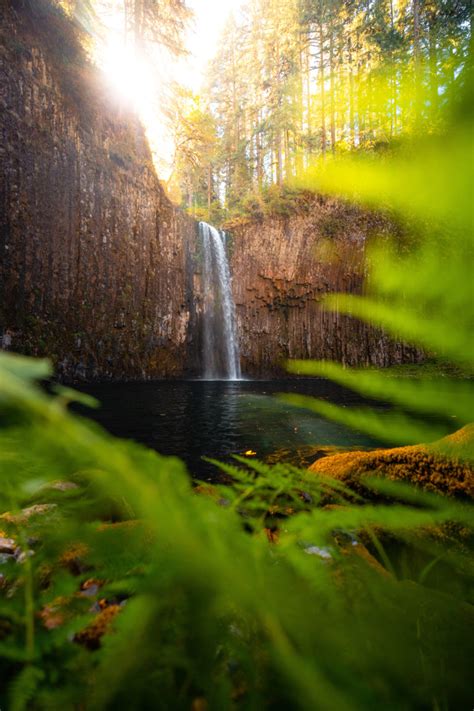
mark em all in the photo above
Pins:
pixel 96 263
pixel 100 272
pixel 283 267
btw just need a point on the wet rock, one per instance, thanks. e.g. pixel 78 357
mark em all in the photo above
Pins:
pixel 320 552
pixel 284 266
pixel 21 556
pixel 7 546
pixel 73 559
pixel 91 587
pixel 91 635
pixel 110 255
pixel 56 613
pixel 26 514
pixel 64 608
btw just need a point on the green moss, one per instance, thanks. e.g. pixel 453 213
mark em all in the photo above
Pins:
pixel 442 467
pixel 430 368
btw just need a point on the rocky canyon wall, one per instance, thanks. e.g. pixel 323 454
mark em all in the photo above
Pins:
pixel 96 265
pixel 99 271
pixel 284 266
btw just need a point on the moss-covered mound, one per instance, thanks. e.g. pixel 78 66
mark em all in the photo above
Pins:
pixel 444 467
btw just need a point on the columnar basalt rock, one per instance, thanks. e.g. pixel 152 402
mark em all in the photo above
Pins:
pixel 96 264
pixel 99 271
pixel 282 269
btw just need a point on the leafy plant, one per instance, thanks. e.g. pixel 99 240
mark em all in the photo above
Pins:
pixel 423 294
pixel 198 607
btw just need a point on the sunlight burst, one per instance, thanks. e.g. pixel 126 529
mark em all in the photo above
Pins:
pixel 129 76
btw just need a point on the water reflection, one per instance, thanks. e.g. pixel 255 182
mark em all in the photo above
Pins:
pixel 192 419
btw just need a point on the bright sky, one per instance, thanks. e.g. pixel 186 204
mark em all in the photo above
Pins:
pixel 210 18
pixel 143 84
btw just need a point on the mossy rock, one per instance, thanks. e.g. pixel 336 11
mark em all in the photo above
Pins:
pixel 444 467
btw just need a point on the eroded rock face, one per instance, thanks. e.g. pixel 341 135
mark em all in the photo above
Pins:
pixel 96 263
pixel 100 272
pixel 283 267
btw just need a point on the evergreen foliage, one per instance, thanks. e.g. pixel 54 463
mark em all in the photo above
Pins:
pixel 295 81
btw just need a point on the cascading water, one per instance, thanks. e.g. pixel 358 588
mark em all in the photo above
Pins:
pixel 221 356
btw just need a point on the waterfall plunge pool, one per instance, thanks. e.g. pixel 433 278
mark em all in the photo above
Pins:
pixel 217 418
pixel 222 414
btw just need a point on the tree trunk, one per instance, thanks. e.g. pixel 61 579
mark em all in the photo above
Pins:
pixel 333 108
pixel 417 60
pixel 138 16
pixel 433 49
pixel 209 190
pixel 322 89
pixel 279 160
pixel 309 107
pixel 351 95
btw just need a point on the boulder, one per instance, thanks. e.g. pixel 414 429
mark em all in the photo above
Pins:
pixel 444 467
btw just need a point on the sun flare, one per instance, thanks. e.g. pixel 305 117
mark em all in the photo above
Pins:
pixel 130 77
pixel 142 82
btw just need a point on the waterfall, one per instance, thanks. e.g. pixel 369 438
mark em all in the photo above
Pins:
pixel 221 356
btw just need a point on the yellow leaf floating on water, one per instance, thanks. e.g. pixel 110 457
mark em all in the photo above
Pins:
pixel 250 453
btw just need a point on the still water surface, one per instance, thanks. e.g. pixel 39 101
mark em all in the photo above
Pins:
pixel 196 418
